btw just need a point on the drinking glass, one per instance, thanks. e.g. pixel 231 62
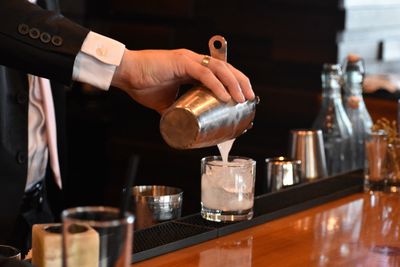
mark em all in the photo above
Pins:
pixel 227 188
pixel 97 237
pixel 376 171
pixel 10 252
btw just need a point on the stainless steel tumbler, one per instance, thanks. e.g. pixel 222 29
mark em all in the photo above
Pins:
pixel 308 146
pixel 154 204
pixel 282 172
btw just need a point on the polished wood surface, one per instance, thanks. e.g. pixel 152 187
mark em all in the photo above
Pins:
pixel 359 230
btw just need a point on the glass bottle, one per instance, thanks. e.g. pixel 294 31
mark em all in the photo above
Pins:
pixel 334 122
pixel 356 110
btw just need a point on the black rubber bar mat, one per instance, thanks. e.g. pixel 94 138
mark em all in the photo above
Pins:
pixel 193 229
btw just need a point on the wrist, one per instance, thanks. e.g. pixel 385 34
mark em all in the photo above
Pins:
pixel 120 77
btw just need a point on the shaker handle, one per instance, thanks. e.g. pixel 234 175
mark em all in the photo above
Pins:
pixel 218 47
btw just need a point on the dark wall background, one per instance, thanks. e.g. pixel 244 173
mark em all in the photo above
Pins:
pixel 279 44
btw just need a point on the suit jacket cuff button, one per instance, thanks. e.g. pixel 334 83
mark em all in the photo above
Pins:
pixel 34 33
pixel 45 37
pixel 57 40
pixel 23 29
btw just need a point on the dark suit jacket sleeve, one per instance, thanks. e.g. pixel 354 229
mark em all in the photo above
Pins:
pixel 38 41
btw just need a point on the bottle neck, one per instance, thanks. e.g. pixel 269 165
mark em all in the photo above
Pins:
pixel 331 88
pixel 332 91
pixel 353 90
pixel 353 81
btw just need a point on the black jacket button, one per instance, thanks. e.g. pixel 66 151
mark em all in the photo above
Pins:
pixel 45 37
pixel 22 97
pixel 23 29
pixel 56 40
pixel 21 157
pixel 34 33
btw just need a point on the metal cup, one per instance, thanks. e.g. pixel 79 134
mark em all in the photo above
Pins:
pixel 282 172
pixel 199 119
pixel 308 146
pixel 153 204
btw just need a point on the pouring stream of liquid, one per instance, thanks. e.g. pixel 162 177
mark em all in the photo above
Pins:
pixel 225 148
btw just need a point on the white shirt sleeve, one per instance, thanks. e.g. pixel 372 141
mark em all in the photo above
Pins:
pixel 95 64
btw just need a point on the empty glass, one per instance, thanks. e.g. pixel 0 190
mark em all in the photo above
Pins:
pixel 97 236
pixel 227 188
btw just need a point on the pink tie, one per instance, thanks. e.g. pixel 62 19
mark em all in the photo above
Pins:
pixel 48 108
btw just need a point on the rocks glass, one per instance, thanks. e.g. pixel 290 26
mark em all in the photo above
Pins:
pixel 97 236
pixel 227 188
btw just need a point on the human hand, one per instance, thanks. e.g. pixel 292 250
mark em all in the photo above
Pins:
pixel 153 77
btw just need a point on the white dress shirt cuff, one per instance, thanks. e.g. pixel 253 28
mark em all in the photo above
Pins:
pixel 95 64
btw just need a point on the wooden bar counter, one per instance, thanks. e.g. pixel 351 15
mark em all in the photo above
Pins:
pixel 359 230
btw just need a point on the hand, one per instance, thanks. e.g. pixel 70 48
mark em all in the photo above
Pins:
pixel 153 77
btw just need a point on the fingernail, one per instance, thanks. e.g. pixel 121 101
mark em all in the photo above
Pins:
pixel 253 95
pixel 241 96
pixel 227 97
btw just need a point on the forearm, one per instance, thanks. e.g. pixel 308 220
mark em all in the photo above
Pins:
pixel 46 44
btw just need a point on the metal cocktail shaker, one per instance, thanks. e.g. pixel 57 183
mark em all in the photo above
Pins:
pixel 199 119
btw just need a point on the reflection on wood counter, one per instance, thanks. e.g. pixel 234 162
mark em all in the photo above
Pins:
pixel 359 230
